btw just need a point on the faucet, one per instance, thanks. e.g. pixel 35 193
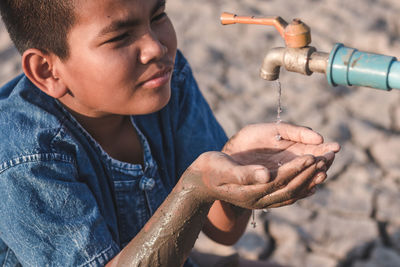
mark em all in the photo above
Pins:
pixel 342 66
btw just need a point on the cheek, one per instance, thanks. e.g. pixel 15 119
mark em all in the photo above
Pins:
pixel 111 62
pixel 167 36
pixel 111 68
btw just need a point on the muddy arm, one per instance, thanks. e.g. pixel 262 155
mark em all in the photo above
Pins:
pixel 170 234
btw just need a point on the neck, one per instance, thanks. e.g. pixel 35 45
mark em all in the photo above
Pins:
pixel 102 128
pixel 115 134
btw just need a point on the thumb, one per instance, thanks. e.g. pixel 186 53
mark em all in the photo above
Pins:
pixel 233 172
pixel 299 134
pixel 220 169
pixel 252 174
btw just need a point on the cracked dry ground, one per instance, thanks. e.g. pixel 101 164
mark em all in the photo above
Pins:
pixel 354 218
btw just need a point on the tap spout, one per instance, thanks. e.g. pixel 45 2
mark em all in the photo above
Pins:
pixel 272 64
pixel 305 60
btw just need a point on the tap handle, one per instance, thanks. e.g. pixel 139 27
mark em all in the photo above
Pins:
pixel 296 34
pixel 277 22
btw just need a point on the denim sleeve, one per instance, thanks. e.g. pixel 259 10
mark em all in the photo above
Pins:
pixel 48 217
pixel 197 129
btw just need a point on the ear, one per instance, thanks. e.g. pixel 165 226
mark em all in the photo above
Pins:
pixel 40 68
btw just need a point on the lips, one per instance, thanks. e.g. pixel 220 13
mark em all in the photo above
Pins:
pixel 158 79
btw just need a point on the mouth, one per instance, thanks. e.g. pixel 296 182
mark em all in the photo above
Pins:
pixel 158 79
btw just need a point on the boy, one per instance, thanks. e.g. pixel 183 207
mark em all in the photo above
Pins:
pixel 104 152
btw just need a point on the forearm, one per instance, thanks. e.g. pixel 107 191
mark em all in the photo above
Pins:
pixel 226 222
pixel 170 234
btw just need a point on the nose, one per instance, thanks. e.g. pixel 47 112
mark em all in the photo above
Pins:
pixel 151 49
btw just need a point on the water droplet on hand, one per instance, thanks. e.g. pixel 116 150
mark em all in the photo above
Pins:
pixel 253 220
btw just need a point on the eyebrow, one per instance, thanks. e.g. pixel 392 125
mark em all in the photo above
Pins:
pixel 120 24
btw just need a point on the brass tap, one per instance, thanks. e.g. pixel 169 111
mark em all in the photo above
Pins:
pixel 297 56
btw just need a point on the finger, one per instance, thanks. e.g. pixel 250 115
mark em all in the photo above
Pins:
pixel 283 175
pixel 334 147
pixel 330 157
pixel 299 134
pixel 292 201
pixel 293 190
pixel 308 193
pixel 251 196
pixel 282 204
pixel 319 178
pixel 303 182
pixel 233 172
pixel 242 195
pixel 316 150
pixel 252 136
pixel 311 191
pixel 248 174
pixel 252 174
pixel 327 147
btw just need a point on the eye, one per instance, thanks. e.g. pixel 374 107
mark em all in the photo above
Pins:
pixel 118 38
pixel 159 17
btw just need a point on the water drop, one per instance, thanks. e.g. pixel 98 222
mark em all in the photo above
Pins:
pixel 253 221
pixel 279 110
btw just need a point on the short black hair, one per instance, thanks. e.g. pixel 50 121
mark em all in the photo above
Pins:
pixel 40 24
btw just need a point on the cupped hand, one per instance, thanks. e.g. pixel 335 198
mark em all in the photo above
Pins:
pixel 275 144
pixel 293 160
pixel 218 176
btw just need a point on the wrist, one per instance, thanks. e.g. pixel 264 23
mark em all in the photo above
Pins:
pixel 191 184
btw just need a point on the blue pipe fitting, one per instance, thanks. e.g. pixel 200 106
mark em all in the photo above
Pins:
pixel 348 66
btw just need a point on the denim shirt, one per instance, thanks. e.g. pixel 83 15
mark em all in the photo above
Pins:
pixel 63 200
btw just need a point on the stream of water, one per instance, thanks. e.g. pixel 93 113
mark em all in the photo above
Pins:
pixel 277 137
pixel 279 110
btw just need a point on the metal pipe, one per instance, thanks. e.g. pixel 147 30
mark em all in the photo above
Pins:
pixel 304 60
pixel 318 62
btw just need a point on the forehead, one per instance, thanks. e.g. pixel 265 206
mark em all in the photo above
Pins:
pixel 89 11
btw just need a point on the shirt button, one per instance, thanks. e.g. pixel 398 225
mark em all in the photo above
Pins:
pixel 147 184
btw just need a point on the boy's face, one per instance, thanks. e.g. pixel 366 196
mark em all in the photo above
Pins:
pixel 121 58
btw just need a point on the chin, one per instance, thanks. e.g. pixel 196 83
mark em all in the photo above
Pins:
pixel 157 103
pixel 162 104
pixel 164 97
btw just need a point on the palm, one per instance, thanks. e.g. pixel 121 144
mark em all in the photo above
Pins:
pixel 273 145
